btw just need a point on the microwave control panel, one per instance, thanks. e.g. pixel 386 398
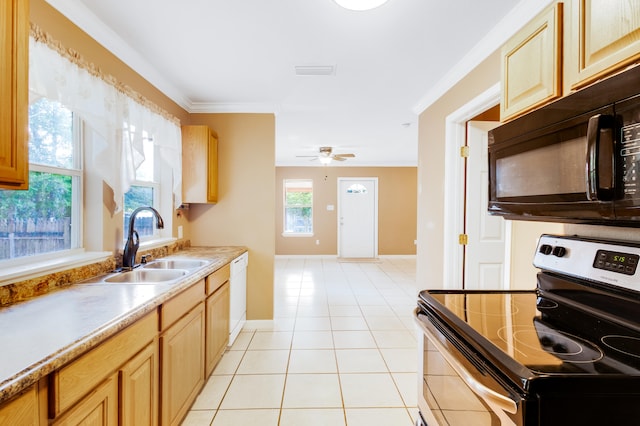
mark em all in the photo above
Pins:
pixel 630 153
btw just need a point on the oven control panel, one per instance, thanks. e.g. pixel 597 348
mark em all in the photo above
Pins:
pixel 611 262
pixel 623 263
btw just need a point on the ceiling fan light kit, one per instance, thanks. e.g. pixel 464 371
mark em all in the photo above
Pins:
pixel 325 155
pixel 360 5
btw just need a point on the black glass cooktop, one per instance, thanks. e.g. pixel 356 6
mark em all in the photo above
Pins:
pixel 527 335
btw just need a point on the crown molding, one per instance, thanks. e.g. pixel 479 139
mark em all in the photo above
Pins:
pixel 88 22
pixel 519 16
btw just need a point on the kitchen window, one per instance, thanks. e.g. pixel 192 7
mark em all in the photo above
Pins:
pixel 46 218
pixel 298 207
pixel 143 192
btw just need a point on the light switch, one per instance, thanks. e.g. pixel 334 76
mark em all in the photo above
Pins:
pixel 330 207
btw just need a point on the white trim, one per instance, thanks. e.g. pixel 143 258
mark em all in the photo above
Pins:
pixel 336 257
pixel 454 167
pixel 296 234
pixel 30 270
pixel 80 15
pixel 520 15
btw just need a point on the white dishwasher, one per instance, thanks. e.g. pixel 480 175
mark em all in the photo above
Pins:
pixel 238 290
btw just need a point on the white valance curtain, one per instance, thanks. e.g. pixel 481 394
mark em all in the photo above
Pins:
pixel 115 119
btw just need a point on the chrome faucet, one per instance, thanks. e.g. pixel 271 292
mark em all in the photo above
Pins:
pixel 133 240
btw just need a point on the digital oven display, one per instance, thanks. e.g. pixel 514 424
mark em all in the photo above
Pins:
pixel 623 263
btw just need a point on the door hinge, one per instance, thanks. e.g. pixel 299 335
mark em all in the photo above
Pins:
pixel 464 151
pixel 463 239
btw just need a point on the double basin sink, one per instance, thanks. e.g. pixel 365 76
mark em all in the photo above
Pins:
pixel 158 271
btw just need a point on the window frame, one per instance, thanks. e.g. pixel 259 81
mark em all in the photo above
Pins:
pixel 285 206
pixel 77 174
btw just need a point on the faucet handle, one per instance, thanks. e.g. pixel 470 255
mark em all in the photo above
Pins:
pixel 145 258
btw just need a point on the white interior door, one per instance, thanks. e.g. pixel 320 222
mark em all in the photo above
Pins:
pixel 484 266
pixel 358 217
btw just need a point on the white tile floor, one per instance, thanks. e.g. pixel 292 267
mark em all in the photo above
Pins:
pixel 341 350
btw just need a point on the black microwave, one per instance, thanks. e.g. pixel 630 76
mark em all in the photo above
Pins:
pixel 574 160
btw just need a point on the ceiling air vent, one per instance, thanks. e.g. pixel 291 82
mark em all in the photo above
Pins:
pixel 311 70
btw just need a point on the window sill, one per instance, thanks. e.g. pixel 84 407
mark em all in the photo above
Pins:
pixel 298 234
pixel 151 244
pixel 27 271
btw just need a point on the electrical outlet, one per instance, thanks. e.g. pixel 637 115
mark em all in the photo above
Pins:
pixel 180 231
pixel 317 242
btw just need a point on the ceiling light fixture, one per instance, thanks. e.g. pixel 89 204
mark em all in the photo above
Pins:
pixel 360 5
pixel 324 160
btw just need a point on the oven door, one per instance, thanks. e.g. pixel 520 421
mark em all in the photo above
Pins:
pixel 457 389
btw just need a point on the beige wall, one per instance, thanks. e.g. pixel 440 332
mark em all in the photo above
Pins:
pixel 244 214
pixel 397 198
pixel 431 171
pixel 432 187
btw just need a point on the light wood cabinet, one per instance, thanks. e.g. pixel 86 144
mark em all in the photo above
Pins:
pixel 139 388
pixel 73 381
pixel 604 37
pixel 99 408
pixel 23 409
pixel 14 86
pixel 182 355
pixel 532 64
pixel 199 165
pixel 217 326
pixel 149 373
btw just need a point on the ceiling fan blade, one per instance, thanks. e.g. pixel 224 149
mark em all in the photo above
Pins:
pixel 306 156
pixel 345 155
pixel 338 158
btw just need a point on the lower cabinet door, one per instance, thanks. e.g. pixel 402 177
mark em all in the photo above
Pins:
pixel 182 355
pixel 217 327
pixel 21 410
pixel 99 408
pixel 139 388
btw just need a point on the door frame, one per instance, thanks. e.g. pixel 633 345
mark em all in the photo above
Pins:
pixel 375 212
pixel 455 138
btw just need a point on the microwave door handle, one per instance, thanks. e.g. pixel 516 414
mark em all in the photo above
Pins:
pixel 596 124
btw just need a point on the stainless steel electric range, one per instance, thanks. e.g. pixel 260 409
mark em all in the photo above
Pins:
pixel 566 353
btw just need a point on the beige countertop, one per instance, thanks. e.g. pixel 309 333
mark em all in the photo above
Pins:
pixel 42 334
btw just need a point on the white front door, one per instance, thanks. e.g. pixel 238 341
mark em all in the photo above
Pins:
pixel 484 266
pixel 358 217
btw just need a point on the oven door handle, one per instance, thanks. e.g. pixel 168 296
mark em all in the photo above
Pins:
pixel 489 395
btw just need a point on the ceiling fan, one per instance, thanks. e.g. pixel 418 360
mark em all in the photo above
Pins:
pixel 325 155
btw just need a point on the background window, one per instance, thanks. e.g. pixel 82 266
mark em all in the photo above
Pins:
pixel 46 218
pixel 298 206
pixel 143 192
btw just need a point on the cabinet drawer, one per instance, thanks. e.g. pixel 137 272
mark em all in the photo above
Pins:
pixel 175 308
pixel 219 277
pixel 99 408
pixel 76 379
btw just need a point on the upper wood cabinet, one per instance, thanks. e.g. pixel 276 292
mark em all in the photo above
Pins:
pixel 14 97
pixel 532 64
pixel 199 165
pixel 604 37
